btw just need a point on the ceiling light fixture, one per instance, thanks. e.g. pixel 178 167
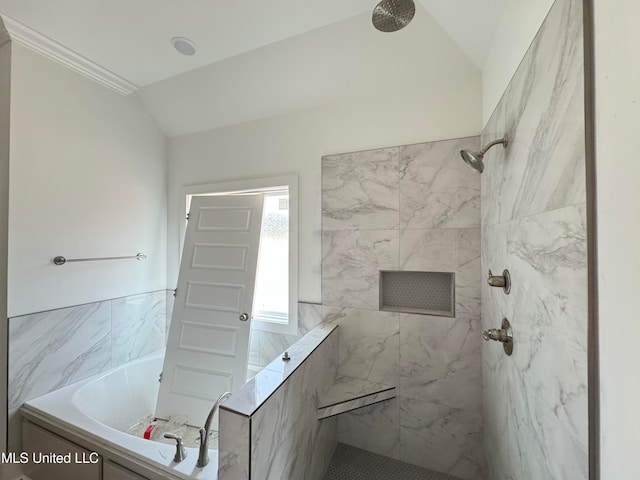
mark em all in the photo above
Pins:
pixel 183 45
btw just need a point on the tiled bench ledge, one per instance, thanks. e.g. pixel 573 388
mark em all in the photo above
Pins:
pixel 348 393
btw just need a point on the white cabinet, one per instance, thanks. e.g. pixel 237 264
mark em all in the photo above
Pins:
pixel 71 460
pixel 113 471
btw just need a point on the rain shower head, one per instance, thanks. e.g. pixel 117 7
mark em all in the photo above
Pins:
pixel 474 159
pixel 393 15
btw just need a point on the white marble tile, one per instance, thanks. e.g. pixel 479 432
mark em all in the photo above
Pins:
pixel 440 360
pixel 441 438
pixel 360 190
pixel 492 180
pixel 429 250
pixel 535 404
pixel 369 346
pixel 272 345
pixel 309 316
pixel 544 113
pixel 356 403
pixel 351 263
pixel 286 437
pixel 513 448
pixel 318 347
pixel 548 252
pixel 234 446
pixel 255 392
pixel 447 250
pixel 52 349
pixel 232 466
pixel 348 393
pixel 138 326
pixel 375 428
pixel 437 189
pixel 346 388
pixel 254 348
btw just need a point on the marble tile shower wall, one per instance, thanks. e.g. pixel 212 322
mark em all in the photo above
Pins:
pixel 533 223
pixel 414 207
pixel 49 350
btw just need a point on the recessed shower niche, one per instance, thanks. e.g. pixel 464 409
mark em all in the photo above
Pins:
pixel 426 293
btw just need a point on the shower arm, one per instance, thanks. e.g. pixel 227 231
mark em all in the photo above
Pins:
pixel 503 141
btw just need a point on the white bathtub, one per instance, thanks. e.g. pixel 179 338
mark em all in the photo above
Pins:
pixel 96 412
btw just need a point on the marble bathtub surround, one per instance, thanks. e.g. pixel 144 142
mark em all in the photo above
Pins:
pixel 49 350
pixel 285 438
pixel 533 222
pixel 138 326
pixel 434 362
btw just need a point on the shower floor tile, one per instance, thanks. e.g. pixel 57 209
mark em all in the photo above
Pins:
pixel 351 463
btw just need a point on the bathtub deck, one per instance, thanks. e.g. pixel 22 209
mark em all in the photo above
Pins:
pixel 190 435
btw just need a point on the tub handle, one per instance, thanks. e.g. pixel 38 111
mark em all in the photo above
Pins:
pixel 181 452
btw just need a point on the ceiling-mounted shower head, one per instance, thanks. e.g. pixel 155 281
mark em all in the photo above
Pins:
pixel 474 159
pixel 393 15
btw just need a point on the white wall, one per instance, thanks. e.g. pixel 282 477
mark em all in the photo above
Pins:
pixel 88 179
pixel 617 54
pixel 295 143
pixel 5 93
pixel 518 25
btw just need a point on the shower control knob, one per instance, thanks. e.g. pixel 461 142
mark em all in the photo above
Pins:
pixel 503 335
pixel 501 281
pixel 244 317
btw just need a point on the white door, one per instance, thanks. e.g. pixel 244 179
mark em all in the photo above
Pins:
pixel 209 333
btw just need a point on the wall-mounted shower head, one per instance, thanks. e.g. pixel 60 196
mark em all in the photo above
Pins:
pixel 393 15
pixel 474 159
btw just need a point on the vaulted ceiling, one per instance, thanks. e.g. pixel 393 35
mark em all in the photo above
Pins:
pixel 257 58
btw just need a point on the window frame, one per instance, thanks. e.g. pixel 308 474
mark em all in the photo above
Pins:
pixel 263 185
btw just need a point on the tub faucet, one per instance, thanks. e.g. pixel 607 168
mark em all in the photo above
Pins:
pixel 181 453
pixel 203 454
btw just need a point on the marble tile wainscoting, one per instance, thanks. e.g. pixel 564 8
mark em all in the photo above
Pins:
pixel 413 207
pixel 533 223
pixel 49 350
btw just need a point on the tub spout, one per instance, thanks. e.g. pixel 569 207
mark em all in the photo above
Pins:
pixel 203 454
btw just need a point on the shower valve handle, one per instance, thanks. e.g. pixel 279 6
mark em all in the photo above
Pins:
pixel 501 281
pixel 503 335
pixel 497 334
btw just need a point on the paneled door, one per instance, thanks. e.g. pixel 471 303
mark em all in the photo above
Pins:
pixel 209 333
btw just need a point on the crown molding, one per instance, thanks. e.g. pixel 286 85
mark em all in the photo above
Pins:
pixel 51 49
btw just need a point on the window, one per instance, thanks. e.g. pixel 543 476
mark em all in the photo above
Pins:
pixel 271 295
pixel 275 299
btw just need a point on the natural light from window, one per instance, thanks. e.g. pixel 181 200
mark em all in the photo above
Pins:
pixel 271 295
